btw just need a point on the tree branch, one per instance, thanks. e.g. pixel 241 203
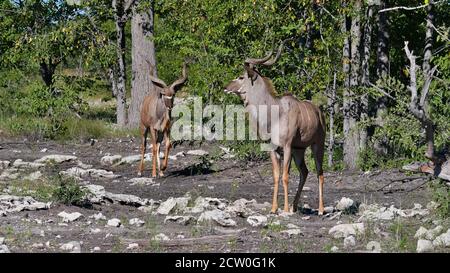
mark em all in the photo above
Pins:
pixel 409 8
pixel 426 86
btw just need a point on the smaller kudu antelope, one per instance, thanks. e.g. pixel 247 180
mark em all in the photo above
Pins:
pixel 155 117
pixel 300 124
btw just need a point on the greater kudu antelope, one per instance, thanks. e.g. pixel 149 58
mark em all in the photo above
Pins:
pixel 300 124
pixel 155 117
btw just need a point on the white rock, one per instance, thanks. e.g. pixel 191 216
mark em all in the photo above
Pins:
pixel 257 220
pixel 4 164
pixel 96 230
pixel 89 173
pixel 432 233
pixel 83 166
pixel 328 209
pixel 218 216
pixel 241 208
pixel 334 249
pixel 96 248
pixel 306 218
pixel 133 246
pixel 114 222
pixel 44 150
pixel 180 236
pixel 73 247
pixel 443 239
pixel 345 203
pixel 197 152
pixel 291 226
pixel 374 246
pixel 4 249
pixel 19 163
pixel 161 237
pixel 2 240
pixel 37 245
pixel 136 222
pixel 420 233
pixel 56 159
pixel 424 246
pixel 345 230
pixel 69 217
pixel 135 158
pixel 349 241
pixel 183 220
pixel 143 181
pixel 110 160
pixel 167 206
pixel 12 203
pixel 33 176
pixel 292 232
pixel 126 199
pixel 98 216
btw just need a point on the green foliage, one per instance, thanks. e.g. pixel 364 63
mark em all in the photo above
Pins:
pixel 441 195
pixel 68 191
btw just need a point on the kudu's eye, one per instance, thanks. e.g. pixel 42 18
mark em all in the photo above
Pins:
pixel 241 77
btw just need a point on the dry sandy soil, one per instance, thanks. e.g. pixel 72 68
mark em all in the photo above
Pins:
pixel 228 180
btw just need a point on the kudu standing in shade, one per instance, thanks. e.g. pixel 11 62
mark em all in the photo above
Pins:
pixel 300 124
pixel 155 117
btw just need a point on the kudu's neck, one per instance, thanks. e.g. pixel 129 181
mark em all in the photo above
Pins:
pixel 262 93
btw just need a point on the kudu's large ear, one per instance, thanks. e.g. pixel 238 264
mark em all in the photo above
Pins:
pixel 177 84
pixel 250 71
pixel 158 82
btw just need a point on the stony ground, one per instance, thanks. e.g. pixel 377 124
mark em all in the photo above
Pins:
pixel 202 206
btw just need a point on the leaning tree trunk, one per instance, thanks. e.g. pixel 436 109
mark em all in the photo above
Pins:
pixel 351 107
pixel 143 61
pixel 121 113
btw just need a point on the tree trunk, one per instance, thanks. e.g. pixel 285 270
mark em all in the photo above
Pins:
pixel 144 62
pixel 331 109
pixel 429 126
pixel 121 113
pixel 351 108
pixel 365 77
pixel 112 81
pixel 47 71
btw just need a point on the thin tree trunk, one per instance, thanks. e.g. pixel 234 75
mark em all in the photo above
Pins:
pixel 143 62
pixel 121 113
pixel 351 113
pixel 113 81
pixel 331 108
pixel 426 66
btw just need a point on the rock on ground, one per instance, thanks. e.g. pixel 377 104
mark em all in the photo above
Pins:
pixel 136 222
pixel 220 217
pixel 69 217
pixel 58 159
pixel 89 173
pixel 424 246
pixel 443 239
pixel 161 237
pixel 181 219
pixel 197 152
pixel 292 232
pixel 114 222
pixel 349 241
pixel 345 230
pixel 73 247
pixel 19 163
pixel 11 203
pixel 109 160
pixel 373 246
pixel 257 220
pixel 346 204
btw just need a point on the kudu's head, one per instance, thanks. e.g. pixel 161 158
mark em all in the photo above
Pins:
pixel 247 81
pixel 167 93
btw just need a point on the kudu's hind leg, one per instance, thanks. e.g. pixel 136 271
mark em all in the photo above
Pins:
pixel 285 178
pixel 144 132
pixel 299 159
pixel 276 178
pixel 318 151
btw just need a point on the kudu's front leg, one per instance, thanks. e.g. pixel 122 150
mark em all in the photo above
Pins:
pixel 276 178
pixel 285 177
pixel 154 150
pixel 166 152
